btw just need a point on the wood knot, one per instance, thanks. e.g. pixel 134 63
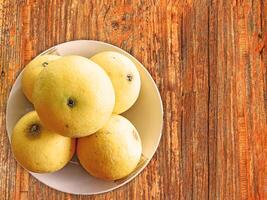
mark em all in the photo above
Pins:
pixel 115 25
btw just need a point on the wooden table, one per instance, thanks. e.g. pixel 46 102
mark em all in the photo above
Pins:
pixel 209 61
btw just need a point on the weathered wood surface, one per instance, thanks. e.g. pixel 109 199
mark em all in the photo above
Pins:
pixel 209 61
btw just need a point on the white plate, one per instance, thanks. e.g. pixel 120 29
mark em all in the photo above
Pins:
pixel 146 115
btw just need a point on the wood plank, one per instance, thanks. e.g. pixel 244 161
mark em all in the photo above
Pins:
pixel 208 59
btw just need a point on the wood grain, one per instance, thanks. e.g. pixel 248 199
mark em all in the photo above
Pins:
pixel 209 61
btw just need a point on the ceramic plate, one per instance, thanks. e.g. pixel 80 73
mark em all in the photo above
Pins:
pixel 146 115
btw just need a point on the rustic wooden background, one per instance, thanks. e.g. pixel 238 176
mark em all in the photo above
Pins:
pixel 209 61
